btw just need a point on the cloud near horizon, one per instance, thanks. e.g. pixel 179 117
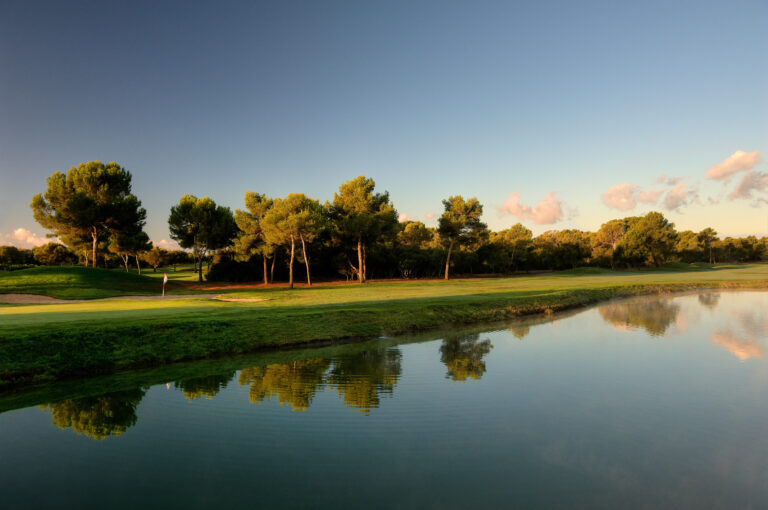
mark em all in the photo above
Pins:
pixel 548 211
pixel 626 196
pixel 679 196
pixel 737 162
pixel 23 238
pixel 167 245
pixel 750 182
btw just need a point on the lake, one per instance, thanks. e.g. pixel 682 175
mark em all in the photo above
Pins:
pixel 654 402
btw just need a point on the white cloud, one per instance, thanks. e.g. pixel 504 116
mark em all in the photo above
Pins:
pixel 548 211
pixel 735 163
pixel 751 181
pixel 679 196
pixel 429 216
pixel 649 197
pixel 167 245
pixel 23 238
pixel 626 196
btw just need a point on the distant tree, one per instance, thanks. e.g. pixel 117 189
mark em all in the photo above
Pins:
pixel 688 247
pixel 362 217
pixel 202 226
pixel 292 219
pixel 460 223
pixel 707 238
pixel 92 199
pixel 176 257
pixel 251 240
pixel 53 254
pixel 129 244
pixel 414 234
pixel 607 239
pixel 509 247
pixel 652 237
pixel 10 256
pixel 155 257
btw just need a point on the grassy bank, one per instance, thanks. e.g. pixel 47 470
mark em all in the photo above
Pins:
pixel 43 342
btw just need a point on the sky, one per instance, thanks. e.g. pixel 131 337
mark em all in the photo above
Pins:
pixel 554 114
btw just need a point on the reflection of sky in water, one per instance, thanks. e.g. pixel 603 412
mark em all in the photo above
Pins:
pixel 738 323
pixel 651 402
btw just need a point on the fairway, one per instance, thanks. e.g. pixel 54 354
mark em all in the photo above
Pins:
pixel 104 335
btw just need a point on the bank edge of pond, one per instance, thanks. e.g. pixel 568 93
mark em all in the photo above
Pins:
pixel 35 356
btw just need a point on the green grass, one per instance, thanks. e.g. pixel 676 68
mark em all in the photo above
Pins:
pixel 42 342
pixel 75 282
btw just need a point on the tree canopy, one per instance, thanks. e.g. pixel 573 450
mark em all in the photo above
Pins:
pixel 202 226
pixel 92 200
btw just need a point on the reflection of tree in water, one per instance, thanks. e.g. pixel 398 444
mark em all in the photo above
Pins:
pixel 520 331
pixel 463 356
pixel 98 417
pixel 361 378
pixel 207 386
pixel 292 383
pixel 709 300
pixel 655 315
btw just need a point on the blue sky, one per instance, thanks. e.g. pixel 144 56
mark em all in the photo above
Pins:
pixel 548 112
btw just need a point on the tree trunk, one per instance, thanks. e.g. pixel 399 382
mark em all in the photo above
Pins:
pixel 365 269
pixel 138 264
pixel 200 269
pixel 448 259
pixel 95 237
pixel 290 265
pixel 306 259
pixel 360 275
pixel 272 269
pixel 125 261
pixel 264 259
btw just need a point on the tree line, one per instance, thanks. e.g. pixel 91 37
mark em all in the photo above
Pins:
pixel 355 235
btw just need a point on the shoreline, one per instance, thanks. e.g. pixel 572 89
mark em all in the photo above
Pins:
pixel 98 348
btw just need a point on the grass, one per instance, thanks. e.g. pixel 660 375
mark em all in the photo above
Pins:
pixel 75 282
pixel 44 342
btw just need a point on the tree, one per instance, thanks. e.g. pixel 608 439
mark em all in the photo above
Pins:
pixel 176 257
pixel 361 216
pixel 130 244
pixel 708 237
pixel 652 238
pixel 251 240
pixel 291 219
pixel 155 257
pixel 53 254
pixel 10 256
pixel 414 234
pixel 92 199
pixel 202 226
pixel 607 239
pixel 509 246
pixel 460 223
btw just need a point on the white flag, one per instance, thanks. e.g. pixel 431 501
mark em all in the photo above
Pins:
pixel 165 278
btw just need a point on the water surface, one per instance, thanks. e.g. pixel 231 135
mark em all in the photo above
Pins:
pixel 658 402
